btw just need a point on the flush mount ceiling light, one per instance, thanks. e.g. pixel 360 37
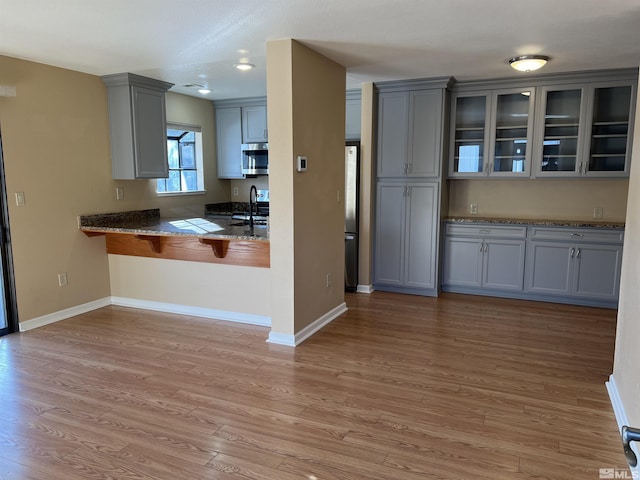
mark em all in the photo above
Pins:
pixel 244 66
pixel 528 63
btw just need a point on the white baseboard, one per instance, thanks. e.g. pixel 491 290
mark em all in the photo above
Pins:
pixel 228 316
pixel 251 319
pixel 365 289
pixel 621 417
pixel 306 332
pixel 63 314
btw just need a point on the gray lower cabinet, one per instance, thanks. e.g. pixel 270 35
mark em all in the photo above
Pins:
pixel 406 237
pixel 138 126
pixel 557 264
pixel 483 257
pixel 229 142
pixel 569 263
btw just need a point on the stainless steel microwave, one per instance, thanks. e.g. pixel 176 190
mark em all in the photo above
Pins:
pixel 255 158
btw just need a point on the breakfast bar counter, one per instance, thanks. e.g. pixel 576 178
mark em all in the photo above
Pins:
pixel 145 233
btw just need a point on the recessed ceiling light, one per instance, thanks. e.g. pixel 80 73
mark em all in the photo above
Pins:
pixel 528 63
pixel 244 66
pixel 204 91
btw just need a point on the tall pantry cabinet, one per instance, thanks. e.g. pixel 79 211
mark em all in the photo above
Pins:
pixel 411 144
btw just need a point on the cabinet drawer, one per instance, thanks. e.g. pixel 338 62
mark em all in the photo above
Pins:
pixel 486 230
pixel 591 235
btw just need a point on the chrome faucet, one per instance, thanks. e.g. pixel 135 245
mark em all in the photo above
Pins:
pixel 253 203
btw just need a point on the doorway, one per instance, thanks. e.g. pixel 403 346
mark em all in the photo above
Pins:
pixel 8 306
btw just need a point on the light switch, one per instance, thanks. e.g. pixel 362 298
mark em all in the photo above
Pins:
pixel 19 199
pixel 597 212
pixel 119 193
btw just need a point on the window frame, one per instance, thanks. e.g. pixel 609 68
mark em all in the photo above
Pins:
pixel 199 163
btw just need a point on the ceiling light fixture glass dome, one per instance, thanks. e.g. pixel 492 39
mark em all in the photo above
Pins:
pixel 528 63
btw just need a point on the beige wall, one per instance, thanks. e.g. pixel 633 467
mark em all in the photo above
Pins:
pixel 306 114
pixel 553 199
pixel 55 136
pixel 195 284
pixel 626 365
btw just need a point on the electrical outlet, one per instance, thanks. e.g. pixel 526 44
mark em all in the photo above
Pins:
pixel 62 279
pixel 119 193
pixel 597 212
pixel 473 209
pixel 328 280
pixel 235 191
pixel 19 199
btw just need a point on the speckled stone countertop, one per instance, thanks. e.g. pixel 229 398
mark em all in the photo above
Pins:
pixel 225 208
pixel 537 222
pixel 148 222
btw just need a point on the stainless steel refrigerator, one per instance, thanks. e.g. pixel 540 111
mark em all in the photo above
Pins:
pixel 351 190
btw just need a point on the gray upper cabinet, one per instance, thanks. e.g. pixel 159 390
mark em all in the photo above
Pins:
pixel 137 120
pixel 491 133
pixel 254 124
pixel 228 142
pixel 410 133
pixel 393 124
pixel 584 130
pixel 353 120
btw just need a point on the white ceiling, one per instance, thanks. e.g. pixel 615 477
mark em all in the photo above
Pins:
pixel 198 41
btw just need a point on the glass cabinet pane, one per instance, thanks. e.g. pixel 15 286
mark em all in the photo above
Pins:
pixel 469 134
pixel 561 122
pixel 609 130
pixel 512 119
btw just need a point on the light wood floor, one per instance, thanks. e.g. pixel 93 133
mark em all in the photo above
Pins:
pixel 400 387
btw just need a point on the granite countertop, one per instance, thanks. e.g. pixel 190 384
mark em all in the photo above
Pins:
pixel 148 222
pixel 537 222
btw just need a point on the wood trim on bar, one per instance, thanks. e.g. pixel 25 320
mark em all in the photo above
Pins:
pixel 250 253
pixel 218 246
pixel 155 242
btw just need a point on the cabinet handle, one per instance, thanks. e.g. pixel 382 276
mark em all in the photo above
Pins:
pixel 409 168
pixel 266 134
pixel 482 247
pixel 578 235
pixel 573 251
pixel 484 231
pixel 578 253
pixel 406 169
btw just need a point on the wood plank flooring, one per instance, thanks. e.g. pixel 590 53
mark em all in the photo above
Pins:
pixel 400 387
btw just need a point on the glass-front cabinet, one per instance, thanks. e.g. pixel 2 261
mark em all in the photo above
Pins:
pixel 584 130
pixel 560 122
pixel 609 136
pixel 491 133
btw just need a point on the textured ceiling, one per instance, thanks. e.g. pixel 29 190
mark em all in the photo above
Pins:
pixel 198 41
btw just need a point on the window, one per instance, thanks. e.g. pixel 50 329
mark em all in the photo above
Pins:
pixel 184 152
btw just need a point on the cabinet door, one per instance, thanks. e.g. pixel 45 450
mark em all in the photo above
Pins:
pixel 549 268
pixel 390 227
pixel 353 119
pixel 469 135
pixel 228 142
pixel 425 119
pixel 558 148
pixel 254 124
pixel 463 262
pixel 421 236
pixel 503 264
pixel 597 271
pixel 511 135
pixel 611 123
pixel 149 133
pixel 393 118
